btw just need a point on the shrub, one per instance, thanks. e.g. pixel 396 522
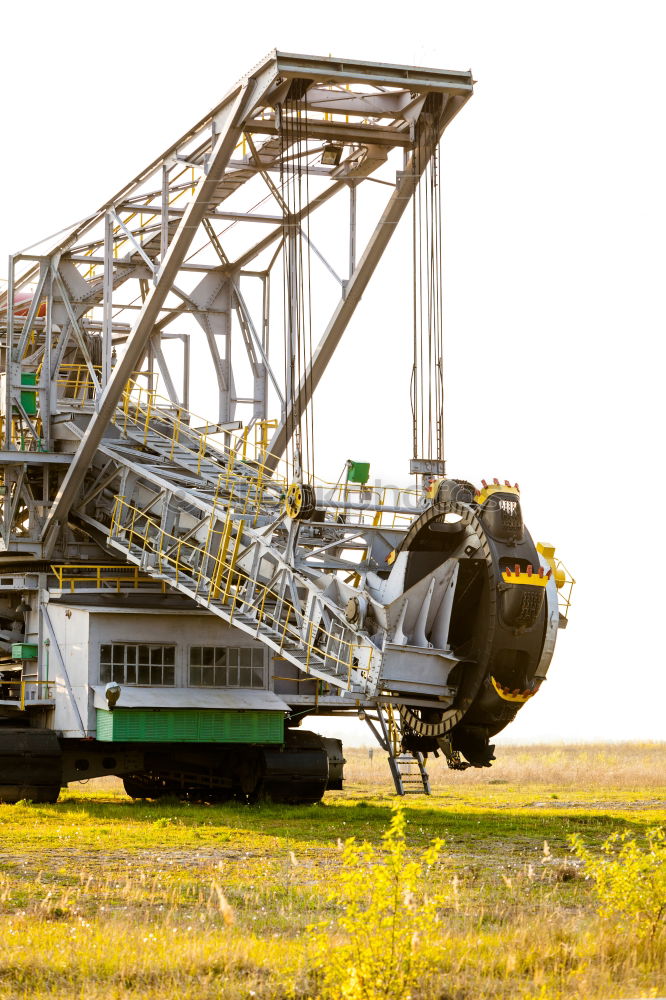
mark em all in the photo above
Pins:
pixel 386 910
pixel 629 880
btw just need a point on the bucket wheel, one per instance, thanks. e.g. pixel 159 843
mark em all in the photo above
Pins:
pixel 503 618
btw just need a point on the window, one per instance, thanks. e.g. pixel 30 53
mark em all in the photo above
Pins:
pixel 224 666
pixel 132 663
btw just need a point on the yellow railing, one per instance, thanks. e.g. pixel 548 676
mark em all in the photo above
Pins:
pixel 242 454
pixel 245 458
pixel 209 572
pixel 76 385
pixel 356 495
pixel 238 465
pixel 21 439
pixel 101 577
pixel 564 592
pixel 144 409
pixel 394 732
pixel 22 688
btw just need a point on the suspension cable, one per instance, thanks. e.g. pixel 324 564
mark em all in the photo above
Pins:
pixel 427 379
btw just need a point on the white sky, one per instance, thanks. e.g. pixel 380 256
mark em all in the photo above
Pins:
pixel 555 214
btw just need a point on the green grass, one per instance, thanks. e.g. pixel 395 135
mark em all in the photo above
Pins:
pixel 103 897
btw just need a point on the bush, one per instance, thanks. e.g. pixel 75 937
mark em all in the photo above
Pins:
pixel 386 909
pixel 629 880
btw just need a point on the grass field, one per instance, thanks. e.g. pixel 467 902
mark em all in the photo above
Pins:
pixel 101 897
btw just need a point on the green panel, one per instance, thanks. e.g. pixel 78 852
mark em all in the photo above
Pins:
pixel 29 399
pixel 189 725
pixel 24 651
pixel 358 472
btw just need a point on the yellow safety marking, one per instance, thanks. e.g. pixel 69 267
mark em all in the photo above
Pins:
pixel 232 561
pixel 23 686
pixel 221 558
pixel 548 552
pixel 506 694
pixel 433 486
pixel 526 579
pixel 496 487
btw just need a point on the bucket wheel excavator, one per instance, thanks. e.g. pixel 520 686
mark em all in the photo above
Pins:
pixel 178 592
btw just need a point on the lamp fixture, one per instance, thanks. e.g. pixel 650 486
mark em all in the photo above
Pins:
pixel 331 154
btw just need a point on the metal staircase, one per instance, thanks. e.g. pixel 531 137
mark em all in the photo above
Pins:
pixel 206 519
pixel 407 767
pixel 409 774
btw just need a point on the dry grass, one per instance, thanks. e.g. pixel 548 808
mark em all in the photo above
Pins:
pixel 101 897
pixel 576 766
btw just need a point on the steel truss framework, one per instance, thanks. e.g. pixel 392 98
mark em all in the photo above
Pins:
pixel 156 248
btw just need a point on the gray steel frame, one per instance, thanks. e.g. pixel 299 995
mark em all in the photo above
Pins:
pixel 76 285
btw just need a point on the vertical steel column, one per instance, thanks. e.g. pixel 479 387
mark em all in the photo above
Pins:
pixel 107 303
pixel 48 383
pixel 186 371
pixel 9 366
pixel 226 410
pixel 164 222
pixel 265 331
pixel 352 228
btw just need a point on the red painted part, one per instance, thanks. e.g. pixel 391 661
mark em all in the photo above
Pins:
pixel 22 302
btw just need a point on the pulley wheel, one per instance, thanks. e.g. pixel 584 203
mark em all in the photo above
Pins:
pixel 300 502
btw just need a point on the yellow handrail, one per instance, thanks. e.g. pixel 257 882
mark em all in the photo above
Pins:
pixel 564 592
pixel 244 460
pixel 144 409
pixel 190 562
pixel 100 575
pixel 22 685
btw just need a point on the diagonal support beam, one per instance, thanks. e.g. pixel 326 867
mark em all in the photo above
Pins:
pixel 239 105
pixel 33 310
pixel 76 329
pixel 137 246
pixel 276 234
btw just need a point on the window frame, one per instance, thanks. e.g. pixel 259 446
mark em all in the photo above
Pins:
pixel 134 663
pixel 232 653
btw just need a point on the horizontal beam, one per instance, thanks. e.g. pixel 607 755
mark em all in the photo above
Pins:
pixel 343 102
pixel 442 81
pixel 276 167
pixel 85 324
pixel 178 212
pixel 81 258
pixel 335 132
pixel 33 458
